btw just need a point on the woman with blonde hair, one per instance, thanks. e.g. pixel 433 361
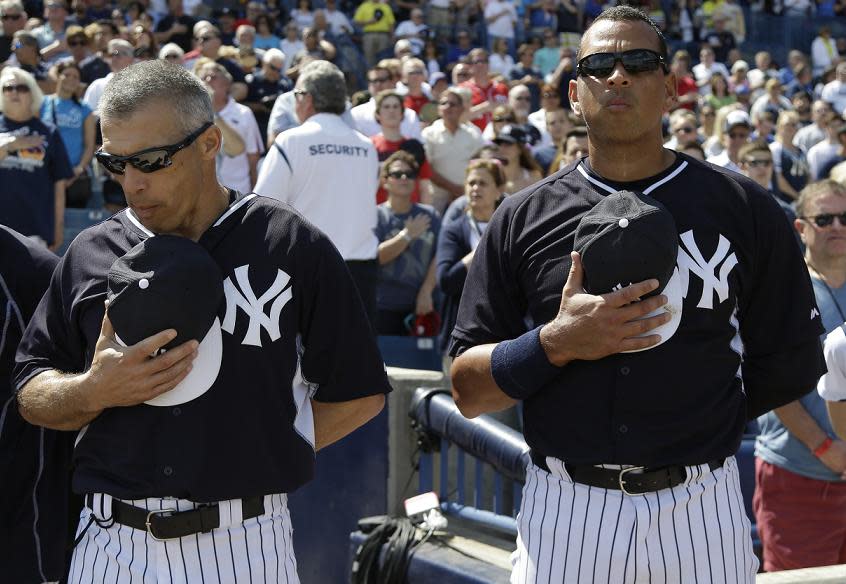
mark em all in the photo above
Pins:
pixel 33 162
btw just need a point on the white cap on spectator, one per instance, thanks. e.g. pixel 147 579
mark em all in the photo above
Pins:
pixel 171 49
pixel 740 65
pixel 832 385
pixel 737 118
pixel 273 55
pixel 437 76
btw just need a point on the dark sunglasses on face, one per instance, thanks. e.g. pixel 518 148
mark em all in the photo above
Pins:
pixel 827 219
pixel 379 80
pixel 150 159
pixel 686 130
pixel 634 61
pixel 402 174
pixel 21 88
pixel 10 16
pixel 76 43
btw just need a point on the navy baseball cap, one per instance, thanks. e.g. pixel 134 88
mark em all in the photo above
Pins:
pixel 166 282
pixel 627 238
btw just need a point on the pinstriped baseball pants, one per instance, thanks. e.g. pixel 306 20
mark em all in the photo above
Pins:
pixel 696 532
pixel 255 550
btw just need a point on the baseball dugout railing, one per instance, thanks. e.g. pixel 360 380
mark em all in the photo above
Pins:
pixel 477 467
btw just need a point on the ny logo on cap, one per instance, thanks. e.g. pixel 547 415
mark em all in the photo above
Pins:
pixel 245 299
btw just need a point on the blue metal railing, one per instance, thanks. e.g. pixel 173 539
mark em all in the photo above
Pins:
pixel 447 440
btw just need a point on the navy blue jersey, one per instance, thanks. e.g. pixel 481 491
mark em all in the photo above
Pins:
pixel 34 462
pixel 293 329
pixel 748 331
pixel 27 178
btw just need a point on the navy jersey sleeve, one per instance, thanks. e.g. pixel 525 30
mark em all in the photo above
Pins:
pixel 780 324
pixel 492 308
pixel 50 340
pixel 339 350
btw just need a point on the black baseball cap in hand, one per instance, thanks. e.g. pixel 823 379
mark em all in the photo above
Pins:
pixel 628 238
pixel 170 282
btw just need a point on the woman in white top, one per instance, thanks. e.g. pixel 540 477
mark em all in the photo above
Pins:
pixel 303 15
pixel 500 62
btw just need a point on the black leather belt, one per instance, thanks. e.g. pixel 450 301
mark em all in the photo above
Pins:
pixel 635 480
pixel 169 524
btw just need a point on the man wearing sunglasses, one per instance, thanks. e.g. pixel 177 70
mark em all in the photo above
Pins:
pixel 800 485
pixel 13 18
pixel 169 483
pixel 633 431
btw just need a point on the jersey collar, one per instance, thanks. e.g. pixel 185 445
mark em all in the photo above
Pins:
pixel 645 186
pixel 237 201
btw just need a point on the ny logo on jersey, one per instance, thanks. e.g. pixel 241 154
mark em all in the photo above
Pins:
pixel 713 281
pixel 245 299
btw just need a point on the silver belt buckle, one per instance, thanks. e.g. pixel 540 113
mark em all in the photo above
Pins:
pixel 622 479
pixel 150 527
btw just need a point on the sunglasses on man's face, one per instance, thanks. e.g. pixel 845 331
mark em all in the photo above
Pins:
pixel 6 17
pixel 402 174
pixel 634 61
pixel 827 219
pixel 150 159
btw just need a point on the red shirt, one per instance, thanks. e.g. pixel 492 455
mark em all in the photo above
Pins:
pixel 687 85
pixel 385 148
pixel 415 102
pixel 494 93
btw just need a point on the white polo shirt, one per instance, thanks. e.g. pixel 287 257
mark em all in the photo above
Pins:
pixel 330 173
pixel 234 171
pixel 364 116
pixel 449 153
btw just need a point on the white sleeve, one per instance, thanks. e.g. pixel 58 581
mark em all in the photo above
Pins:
pixel 832 385
pixel 274 178
pixel 410 126
pixel 252 134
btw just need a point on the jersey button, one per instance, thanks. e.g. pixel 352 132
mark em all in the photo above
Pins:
pixel 623 429
pixel 176 411
pixel 167 471
pixel 625 370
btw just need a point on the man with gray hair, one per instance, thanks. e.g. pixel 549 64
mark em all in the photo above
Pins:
pixel 329 173
pixel 265 85
pixel 167 491
pixel 120 55
pixel 13 18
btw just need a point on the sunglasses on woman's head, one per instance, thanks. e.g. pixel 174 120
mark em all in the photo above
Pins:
pixel 150 159
pixel 634 61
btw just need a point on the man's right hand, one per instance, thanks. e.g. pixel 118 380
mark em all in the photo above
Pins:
pixel 127 376
pixel 590 327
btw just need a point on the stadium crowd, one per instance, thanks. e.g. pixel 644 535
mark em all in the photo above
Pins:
pixel 463 102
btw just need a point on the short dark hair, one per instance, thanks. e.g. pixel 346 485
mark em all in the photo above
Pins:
pixel 576 132
pixel 398 156
pixel 629 14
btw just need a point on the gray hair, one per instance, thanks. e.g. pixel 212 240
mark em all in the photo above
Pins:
pixel 325 83
pixel 27 79
pixel 11 5
pixel 171 49
pixel 157 81
pixel 273 55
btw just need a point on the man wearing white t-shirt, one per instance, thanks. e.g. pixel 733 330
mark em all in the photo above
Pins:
pixel 120 56
pixel 501 18
pixel 329 173
pixel 364 115
pixel 834 92
pixel 236 172
pixel 414 30
pixel 706 67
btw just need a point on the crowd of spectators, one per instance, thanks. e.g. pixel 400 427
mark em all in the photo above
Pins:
pixel 464 102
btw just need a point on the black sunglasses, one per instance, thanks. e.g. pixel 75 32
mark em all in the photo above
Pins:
pixel 20 88
pixel 634 61
pixel 398 174
pixel 826 219
pixel 10 16
pixel 150 159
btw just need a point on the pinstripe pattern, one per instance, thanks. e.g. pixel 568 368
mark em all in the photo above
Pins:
pixel 573 533
pixel 258 550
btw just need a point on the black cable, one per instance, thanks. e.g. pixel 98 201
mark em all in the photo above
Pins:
pixel 392 539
